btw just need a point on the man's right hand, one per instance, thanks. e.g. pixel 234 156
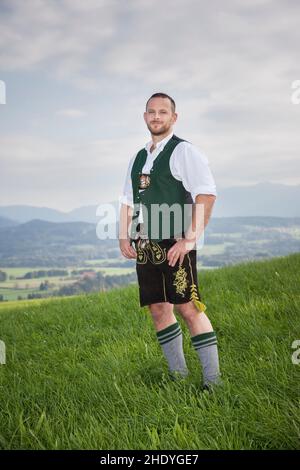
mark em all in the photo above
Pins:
pixel 126 249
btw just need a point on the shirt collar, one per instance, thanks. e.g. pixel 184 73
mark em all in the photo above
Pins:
pixel 160 145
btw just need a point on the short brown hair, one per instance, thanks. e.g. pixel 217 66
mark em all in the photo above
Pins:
pixel 163 95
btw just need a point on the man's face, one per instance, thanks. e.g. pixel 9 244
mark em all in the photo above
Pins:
pixel 159 116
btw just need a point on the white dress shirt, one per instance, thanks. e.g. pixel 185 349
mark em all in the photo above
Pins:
pixel 187 164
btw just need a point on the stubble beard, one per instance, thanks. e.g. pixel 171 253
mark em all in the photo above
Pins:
pixel 163 130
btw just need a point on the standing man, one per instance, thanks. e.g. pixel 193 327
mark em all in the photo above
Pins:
pixel 169 175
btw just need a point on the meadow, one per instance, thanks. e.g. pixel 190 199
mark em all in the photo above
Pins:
pixel 86 372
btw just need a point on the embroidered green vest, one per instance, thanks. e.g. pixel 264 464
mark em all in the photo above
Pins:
pixel 166 204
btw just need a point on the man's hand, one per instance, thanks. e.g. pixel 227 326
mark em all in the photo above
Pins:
pixel 200 215
pixel 126 249
pixel 179 250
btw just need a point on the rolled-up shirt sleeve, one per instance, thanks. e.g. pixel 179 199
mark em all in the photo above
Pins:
pixel 191 166
pixel 127 195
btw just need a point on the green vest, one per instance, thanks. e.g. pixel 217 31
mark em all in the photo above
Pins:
pixel 161 218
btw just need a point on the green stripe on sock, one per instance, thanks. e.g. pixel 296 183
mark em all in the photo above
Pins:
pixel 204 343
pixel 212 343
pixel 167 330
pixel 205 339
pixel 170 339
pixel 169 333
pixel 203 336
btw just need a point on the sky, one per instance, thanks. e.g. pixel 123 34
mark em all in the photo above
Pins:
pixel 77 75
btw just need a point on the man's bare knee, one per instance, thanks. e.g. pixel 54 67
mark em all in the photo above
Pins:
pixel 187 311
pixel 160 309
pixel 162 315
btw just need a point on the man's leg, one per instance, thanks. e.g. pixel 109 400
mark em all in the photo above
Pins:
pixel 169 336
pixel 204 341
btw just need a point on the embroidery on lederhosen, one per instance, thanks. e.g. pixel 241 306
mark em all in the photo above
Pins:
pixel 194 293
pixel 180 281
pixel 151 251
pixel 157 253
pixel 141 256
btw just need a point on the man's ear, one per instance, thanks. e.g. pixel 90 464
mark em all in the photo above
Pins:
pixel 145 114
pixel 175 115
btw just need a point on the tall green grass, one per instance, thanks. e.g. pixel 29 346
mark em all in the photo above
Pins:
pixel 87 372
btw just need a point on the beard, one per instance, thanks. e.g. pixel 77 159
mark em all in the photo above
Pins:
pixel 161 130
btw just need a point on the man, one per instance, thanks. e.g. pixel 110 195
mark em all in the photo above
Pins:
pixel 170 172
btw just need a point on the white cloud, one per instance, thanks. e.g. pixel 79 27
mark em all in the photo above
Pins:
pixel 35 32
pixel 66 175
pixel 229 66
pixel 71 113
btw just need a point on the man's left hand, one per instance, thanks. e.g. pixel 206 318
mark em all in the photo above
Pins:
pixel 179 250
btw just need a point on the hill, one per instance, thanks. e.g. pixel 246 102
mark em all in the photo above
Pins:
pixel 87 372
pixel 227 240
pixel 262 199
pixel 5 222
pixel 39 242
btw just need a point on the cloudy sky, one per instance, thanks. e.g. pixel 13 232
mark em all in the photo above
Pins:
pixel 78 73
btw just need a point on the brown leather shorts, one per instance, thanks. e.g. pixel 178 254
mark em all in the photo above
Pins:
pixel 159 282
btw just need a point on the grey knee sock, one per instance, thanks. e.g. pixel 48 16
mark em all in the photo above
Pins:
pixel 207 349
pixel 170 340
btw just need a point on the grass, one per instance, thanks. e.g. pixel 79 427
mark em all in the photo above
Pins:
pixel 86 372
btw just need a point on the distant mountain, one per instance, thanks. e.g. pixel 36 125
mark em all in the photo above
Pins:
pixel 262 199
pixel 5 222
pixel 24 213
pixel 41 233
pixel 51 243
pixel 227 240
pixel 88 213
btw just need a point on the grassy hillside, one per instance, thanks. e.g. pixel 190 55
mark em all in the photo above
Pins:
pixel 87 372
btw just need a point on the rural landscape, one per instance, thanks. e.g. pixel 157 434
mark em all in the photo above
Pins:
pixel 70 314
pixel 41 258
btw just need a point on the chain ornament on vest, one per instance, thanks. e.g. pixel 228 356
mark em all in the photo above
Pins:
pixel 144 181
